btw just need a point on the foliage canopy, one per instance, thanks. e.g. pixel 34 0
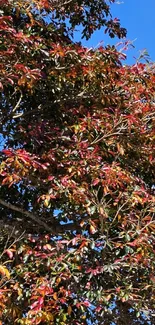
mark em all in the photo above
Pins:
pixel 77 178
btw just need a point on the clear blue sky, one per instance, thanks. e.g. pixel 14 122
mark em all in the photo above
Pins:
pixel 138 16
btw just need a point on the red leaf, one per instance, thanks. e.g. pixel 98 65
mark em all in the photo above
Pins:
pixel 86 303
pixel 1 86
pixel 7 152
pixel 96 181
pixel 9 253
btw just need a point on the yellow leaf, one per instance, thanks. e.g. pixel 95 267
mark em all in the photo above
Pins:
pixel 4 271
pixel 22 81
pixel 64 317
pixel 47 203
pixel 120 149
pixel 55 297
pixel 101 209
pixel 49 317
pixel 58 280
pixel 92 230
pixel 69 310
pixel 82 223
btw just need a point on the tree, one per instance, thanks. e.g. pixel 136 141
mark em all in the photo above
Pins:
pixel 77 170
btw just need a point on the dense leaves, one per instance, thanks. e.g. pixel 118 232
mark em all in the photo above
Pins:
pixel 77 170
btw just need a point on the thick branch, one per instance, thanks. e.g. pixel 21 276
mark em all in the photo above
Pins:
pixel 27 214
pixel 55 229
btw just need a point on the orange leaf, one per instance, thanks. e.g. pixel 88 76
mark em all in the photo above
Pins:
pixel 4 271
pixel 55 296
pixel 92 229
pixel 120 149
pixel 69 310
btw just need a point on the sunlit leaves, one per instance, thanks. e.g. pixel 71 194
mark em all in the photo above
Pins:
pixel 4 272
pixel 76 172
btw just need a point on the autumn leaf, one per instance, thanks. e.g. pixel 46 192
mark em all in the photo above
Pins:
pixel 4 271
pixel 69 310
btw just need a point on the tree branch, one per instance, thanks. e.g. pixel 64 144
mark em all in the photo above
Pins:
pixel 27 214
pixel 54 229
pixel 18 103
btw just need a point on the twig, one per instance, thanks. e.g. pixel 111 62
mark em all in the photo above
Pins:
pixel 18 103
pixel 105 136
pixel 15 241
pixel 117 213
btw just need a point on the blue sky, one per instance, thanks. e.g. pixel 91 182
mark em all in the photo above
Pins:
pixel 138 16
